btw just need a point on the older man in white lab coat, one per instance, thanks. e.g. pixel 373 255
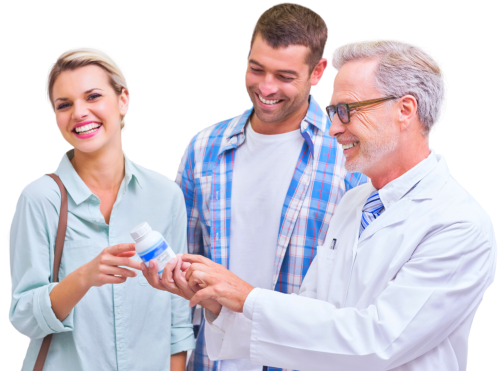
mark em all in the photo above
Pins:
pixel 406 260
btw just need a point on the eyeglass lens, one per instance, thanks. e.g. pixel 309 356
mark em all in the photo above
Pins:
pixel 343 113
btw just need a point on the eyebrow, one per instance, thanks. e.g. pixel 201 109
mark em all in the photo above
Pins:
pixel 291 72
pixel 86 92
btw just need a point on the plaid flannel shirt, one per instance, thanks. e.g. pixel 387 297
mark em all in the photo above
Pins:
pixel 319 182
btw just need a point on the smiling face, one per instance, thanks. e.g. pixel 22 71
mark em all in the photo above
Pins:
pixel 88 110
pixel 373 133
pixel 278 80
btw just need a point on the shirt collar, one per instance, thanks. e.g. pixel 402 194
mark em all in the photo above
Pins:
pixel 399 187
pixel 314 117
pixel 75 186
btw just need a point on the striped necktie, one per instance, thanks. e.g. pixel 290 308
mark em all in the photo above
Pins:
pixel 371 211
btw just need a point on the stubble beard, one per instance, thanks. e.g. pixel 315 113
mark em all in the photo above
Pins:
pixel 284 112
pixel 373 150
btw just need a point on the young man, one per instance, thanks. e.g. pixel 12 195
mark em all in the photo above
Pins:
pixel 262 187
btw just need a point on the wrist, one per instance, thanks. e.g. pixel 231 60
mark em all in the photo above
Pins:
pixel 83 277
pixel 213 306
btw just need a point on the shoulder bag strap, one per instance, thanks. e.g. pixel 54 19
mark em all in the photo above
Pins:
pixel 61 234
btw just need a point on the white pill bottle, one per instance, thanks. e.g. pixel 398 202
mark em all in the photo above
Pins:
pixel 150 244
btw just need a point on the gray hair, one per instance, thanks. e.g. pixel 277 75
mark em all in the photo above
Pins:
pixel 403 70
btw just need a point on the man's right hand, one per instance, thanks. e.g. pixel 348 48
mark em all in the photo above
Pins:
pixel 174 281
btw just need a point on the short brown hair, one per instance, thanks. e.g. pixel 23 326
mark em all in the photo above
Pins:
pixel 291 24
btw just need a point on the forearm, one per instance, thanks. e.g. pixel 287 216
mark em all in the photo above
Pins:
pixel 67 293
pixel 178 361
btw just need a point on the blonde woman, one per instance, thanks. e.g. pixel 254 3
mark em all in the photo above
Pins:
pixel 103 313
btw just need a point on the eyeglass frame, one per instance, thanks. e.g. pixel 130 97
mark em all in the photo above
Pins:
pixel 349 106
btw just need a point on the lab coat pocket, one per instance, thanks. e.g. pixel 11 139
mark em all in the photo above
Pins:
pixel 326 252
pixel 325 262
pixel 205 186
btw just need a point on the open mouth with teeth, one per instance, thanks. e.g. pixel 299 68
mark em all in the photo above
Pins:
pixel 87 129
pixel 349 145
pixel 269 102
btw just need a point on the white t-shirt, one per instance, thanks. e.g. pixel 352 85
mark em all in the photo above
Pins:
pixel 263 169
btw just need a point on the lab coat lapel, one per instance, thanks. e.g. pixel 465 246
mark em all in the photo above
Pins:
pixel 396 214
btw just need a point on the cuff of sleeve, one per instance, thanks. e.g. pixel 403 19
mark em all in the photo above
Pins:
pixel 44 315
pixel 218 323
pixel 250 303
pixel 185 344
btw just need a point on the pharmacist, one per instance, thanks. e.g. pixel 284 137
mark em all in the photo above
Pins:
pixel 406 260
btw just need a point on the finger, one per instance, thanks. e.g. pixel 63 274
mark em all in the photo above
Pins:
pixel 117 271
pixel 185 266
pixel 182 284
pixel 151 274
pixel 168 270
pixel 197 267
pixel 202 279
pixel 127 254
pixel 115 260
pixel 121 248
pixel 200 296
pixel 113 279
pixel 188 258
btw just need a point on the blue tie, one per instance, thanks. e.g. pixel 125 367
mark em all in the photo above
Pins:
pixel 371 211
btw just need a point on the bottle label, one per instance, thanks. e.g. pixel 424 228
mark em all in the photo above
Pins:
pixel 161 252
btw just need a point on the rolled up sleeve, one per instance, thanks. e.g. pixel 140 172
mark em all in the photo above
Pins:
pixel 31 259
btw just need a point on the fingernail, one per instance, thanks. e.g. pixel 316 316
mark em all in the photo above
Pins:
pixel 173 260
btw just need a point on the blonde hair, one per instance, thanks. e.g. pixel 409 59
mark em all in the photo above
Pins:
pixel 403 69
pixel 74 59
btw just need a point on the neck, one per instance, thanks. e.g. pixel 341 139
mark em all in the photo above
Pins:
pixel 287 124
pixel 398 162
pixel 101 170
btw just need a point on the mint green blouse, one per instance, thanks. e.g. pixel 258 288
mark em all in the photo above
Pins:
pixel 129 326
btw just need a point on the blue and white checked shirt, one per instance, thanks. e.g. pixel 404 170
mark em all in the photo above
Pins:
pixel 319 182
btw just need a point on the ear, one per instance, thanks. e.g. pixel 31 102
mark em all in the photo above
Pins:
pixel 123 101
pixel 407 110
pixel 318 71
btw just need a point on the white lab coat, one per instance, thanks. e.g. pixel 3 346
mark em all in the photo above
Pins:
pixel 402 297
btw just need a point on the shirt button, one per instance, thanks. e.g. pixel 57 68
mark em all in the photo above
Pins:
pixel 119 311
pixel 120 346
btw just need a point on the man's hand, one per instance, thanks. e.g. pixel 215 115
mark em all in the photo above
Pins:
pixel 174 281
pixel 212 281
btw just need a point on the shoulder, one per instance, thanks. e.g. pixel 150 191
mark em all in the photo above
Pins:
pixel 43 194
pixel 213 135
pixel 455 203
pixel 39 203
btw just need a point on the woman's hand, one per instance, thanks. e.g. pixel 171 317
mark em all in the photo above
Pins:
pixel 99 271
pixel 107 267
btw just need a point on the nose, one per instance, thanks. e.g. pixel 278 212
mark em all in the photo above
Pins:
pixel 268 86
pixel 80 110
pixel 337 127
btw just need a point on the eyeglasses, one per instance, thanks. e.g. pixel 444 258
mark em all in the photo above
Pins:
pixel 344 109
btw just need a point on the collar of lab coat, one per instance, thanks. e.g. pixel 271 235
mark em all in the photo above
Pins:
pixel 430 174
pixel 394 191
